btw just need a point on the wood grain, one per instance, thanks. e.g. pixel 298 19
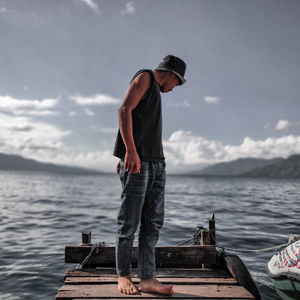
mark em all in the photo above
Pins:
pixel 166 256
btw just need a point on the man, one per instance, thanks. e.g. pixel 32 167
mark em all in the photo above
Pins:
pixel 142 173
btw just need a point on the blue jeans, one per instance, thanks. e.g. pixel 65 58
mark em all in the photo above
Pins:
pixel 142 206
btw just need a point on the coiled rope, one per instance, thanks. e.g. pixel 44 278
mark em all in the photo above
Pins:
pixel 96 248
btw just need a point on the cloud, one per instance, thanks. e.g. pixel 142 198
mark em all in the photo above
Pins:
pixel 282 125
pixel 104 129
pixel 25 106
pixel 184 104
pixel 285 125
pixel 211 100
pixel 98 99
pixel 22 135
pixel 129 8
pixel 183 149
pixel 44 142
pixel 102 160
pixel 89 112
pixel 91 4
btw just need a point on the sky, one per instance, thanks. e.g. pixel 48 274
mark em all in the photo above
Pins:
pixel 65 66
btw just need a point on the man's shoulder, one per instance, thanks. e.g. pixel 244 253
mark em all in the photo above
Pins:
pixel 144 74
pixel 143 77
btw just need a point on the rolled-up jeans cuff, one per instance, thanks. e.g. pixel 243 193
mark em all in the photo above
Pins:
pixel 123 273
pixel 147 274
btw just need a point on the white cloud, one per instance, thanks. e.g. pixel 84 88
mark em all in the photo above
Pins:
pixel 89 112
pixel 22 135
pixel 282 125
pixel 211 100
pixel 91 4
pixel 184 104
pixel 98 99
pixel 25 106
pixel 129 8
pixel 183 149
pixel 44 142
pixel 285 125
pixel 104 129
pixel 39 112
pixel 97 160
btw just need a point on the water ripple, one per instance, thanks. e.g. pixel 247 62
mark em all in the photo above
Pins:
pixel 42 213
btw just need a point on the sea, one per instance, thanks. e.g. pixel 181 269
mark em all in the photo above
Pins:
pixel 41 213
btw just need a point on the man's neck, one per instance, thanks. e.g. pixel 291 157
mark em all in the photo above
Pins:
pixel 159 76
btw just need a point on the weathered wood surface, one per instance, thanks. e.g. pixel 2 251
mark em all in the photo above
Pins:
pixel 181 291
pixel 174 280
pixel 166 256
pixel 160 273
pixel 188 283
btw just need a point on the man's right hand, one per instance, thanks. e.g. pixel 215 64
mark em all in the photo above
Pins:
pixel 132 162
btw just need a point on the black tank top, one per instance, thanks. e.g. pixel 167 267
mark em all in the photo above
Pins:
pixel 146 125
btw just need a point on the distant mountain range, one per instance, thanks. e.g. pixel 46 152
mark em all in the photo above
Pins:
pixel 18 163
pixel 255 167
pixel 237 167
pixel 245 167
pixel 286 168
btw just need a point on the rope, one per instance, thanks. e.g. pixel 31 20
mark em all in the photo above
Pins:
pixel 275 248
pixel 95 248
pixel 196 239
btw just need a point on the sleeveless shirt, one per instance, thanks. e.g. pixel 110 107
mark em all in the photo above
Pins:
pixel 146 125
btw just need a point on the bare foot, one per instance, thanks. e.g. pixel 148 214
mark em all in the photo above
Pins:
pixel 125 285
pixel 153 285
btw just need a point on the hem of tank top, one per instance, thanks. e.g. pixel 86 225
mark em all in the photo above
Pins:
pixel 147 159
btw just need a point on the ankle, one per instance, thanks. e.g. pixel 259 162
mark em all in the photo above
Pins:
pixel 124 276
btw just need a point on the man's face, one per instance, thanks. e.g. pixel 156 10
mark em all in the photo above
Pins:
pixel 169 85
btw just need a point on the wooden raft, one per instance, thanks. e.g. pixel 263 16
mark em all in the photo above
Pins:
pixel 195 272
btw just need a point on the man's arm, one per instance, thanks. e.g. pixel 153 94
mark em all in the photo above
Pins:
pixel 135 93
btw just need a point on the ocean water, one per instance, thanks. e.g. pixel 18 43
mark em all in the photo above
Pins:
pixel 42 213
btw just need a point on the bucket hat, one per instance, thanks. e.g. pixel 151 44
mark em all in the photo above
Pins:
pixel 173 64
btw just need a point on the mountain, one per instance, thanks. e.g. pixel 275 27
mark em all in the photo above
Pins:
pixel 237 167
pixel 19 163
pixel 286 168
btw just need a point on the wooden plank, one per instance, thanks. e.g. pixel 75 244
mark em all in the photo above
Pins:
pixel 181 280
pixel 180 292
pixel 160 273
pixel 166 256
pixel 204 240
